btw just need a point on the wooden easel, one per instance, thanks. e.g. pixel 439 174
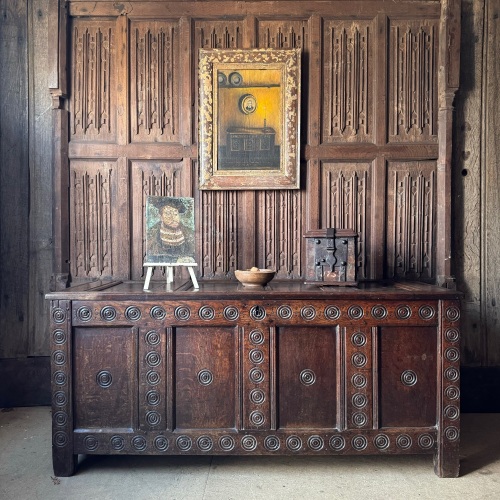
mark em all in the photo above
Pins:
pixel 169 272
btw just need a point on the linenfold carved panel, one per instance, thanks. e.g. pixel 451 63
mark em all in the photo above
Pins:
pixel 348 81
pixel 90 215
pixel 345 194
pixel 279 231
pixel 93 110
pixel 154 81
pixel 413 81
pixel 277 34
pixel 411 212
pixel 219 243
pixel 218 34
pixel 150 178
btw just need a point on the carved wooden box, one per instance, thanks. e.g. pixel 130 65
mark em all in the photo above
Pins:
pixel 331 257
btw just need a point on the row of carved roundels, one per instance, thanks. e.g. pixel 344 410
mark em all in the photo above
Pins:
pixel 256 375
pixel 258 313
pixel 226 443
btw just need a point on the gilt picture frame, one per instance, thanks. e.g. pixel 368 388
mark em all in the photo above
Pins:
pixel 249 119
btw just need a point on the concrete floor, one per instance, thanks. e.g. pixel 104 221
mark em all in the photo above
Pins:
pixel 26 471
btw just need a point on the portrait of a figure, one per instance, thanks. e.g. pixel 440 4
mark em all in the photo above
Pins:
pixel 169 230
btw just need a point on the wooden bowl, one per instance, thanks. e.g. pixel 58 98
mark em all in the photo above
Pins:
pixel 256 278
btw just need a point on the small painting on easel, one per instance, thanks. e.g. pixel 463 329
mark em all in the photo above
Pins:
pixel 170 230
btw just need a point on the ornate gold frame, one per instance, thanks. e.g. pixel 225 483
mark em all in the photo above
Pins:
pixel 218 169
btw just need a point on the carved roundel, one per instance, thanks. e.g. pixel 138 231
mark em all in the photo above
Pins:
pixel 451 412
pixel 379 312
pixel 358 380
pixel 60 439
pixel 452 354
pixel 133 313
pixel 359 443
pixel 90 443
pixel 231 313
pixel 452 313
pixel 108 313
pixel 59 378
pixel 332 312
pixel 272 443
pixel 315 443
pixel 182 313
pixel 257 418
pixel 184 443
pixel 452 335
pixel 308 313
pixel 451 374
pixel 451 433
pixel 139 443
pixel 60 398
pixel 153 398
pixel 257 396
pixel 294 443
pixel 226 443
pixel 153 377
pixel 452 392
pixel 359 400
pixel 358 359
pixel 359 419
pixel 153 418
pixel 161 443
pixel 426 312
pixel 58 315
pixel 409 378
pixel 403 312
pixel 104 379
pixel 358 339
pixel 256 375
pixel 153 358
pixel 84 313
pixel 284 312
pixel 257 313
pixel 248 443
pixel 204 443
pixel 404 441
pixel 256 337
pixel 60 418
pixel 158 313
pixel 206 313
pixel 205 377
pixel 355 312
pixel 425 441
pixel 59 357
pixel 152 338
pixel 337 443
pixel 307 377
pixel 381 442
pixel 59 337
pixel 117 443
pixel 256 356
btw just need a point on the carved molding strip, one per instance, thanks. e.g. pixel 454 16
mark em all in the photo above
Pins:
pixel 154 82
pixel 413 77
pixel 347 99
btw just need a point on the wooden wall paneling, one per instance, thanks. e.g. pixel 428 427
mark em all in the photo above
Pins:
pixel 40 165
pixel 413 51
pixel 411 225
pixel 346 203
pixel 151 178
pixel 490 152
pixel 466 173
pixel 14 180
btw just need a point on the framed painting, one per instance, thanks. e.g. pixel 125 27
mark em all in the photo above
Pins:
pixel 169 230
pixel 249 119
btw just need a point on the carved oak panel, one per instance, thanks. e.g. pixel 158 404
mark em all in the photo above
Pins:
pixel 282 34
